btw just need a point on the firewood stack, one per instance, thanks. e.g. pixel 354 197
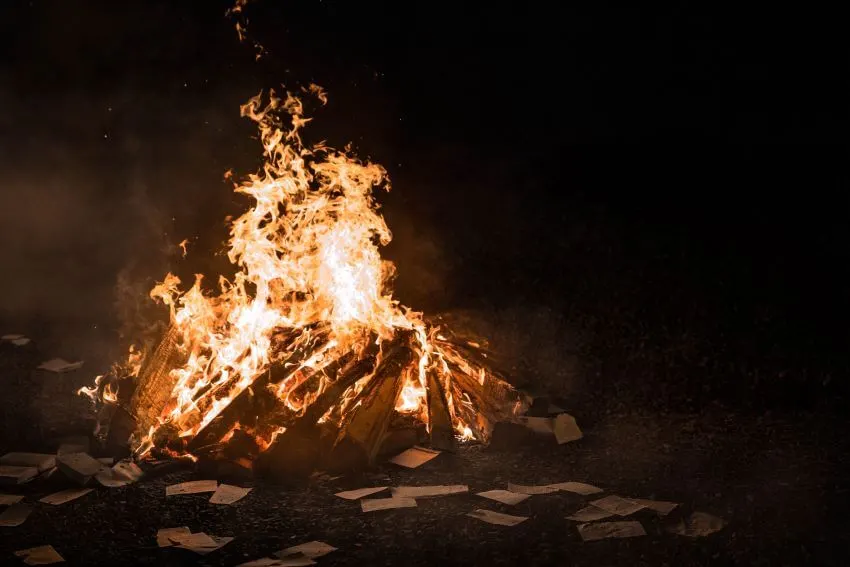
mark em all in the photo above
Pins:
pixel 344 427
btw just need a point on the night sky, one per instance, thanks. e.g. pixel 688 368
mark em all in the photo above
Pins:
pixel 679 162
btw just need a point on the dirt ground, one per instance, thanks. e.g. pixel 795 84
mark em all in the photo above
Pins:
pixel 778 481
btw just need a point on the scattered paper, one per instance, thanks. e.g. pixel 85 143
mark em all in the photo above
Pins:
pixel 285 562
pixel 71 448
pixel 618 505
pixel 12 474
pixel 414 457
pixel 15 515
pixel 20 342
pixel 359 493
pixel 191 487
pixel 539 425
pixel 228 494
pixel 166 536
pixel 375 504
pixel 42 555
pixel 64 496
pixel 79 467
pixel 577 487
pixel 310 549
pixel 504 496
pixel 496 518
pixel 590 514
pixel 428 491
pixel 59 365
pixel 9 499
pixel 108 461
pixel 11 337
pixel 659 506
pixel 523 489
pixel 698 524
pixel 200 542
pixel 604 530
pixel 122 474
pixel 566 429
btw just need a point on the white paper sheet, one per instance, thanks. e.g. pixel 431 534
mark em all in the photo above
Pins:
pixel 661 507
pixel 590 514
pixel 64 496
pixel 191 487
pixel 428 491
pixel 414 457
pixel 566 429
pixel 60 365
pixel 375 504
pixel 539 425
pixel 228 494
pixel 605 530
pixel 164 535
pixel 23 341
pixel 42 555
pixel 577 488
pixel 496 518
pixel 618 505
pixel 527 489
pixel 504 496
pixel 359 493
pixel 311 549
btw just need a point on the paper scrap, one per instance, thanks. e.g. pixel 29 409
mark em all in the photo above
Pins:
pixel 284 562
pixel 428 491
pixel 23 341
pixel 108 461
pixel 604 530
pixel 577 487
pixel 191 487
pixel 79 467
pixel 524 489
pixel 659 506
pixel 122 474
pixel 590 514
pixel 60 365
pixel 414 457
pixel 12 337
pixel 698 524
pixel 9 499
pixel 359 493
pixel 42 555
pixel 311 549
pixel 504 496
pixel 15 515
pixel 496 518
pixel 375 504
pixel 200 542
pixel 64 496
pixel 618 505
pixel 539 425
pixel 166 536
pixel 228 494
pixel 566 429
pixel 12 474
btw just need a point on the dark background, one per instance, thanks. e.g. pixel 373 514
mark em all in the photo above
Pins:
pixel 643 207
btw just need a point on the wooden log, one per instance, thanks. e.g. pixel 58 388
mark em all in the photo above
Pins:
pixel 363 429
pixel 155 382
pixel 439 418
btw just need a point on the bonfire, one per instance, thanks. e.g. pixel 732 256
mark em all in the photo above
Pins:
pixel 305 346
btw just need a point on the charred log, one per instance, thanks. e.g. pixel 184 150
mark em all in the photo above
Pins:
pixel 156 382
pixel 439 417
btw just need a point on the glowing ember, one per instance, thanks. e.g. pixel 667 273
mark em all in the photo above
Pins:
pixel 309 279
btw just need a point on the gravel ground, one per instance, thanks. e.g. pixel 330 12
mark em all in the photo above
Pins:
pixel 777 480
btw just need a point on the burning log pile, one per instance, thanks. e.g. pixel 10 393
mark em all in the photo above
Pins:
pixel 302 359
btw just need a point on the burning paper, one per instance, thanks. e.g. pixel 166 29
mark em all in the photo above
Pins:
pixel 359 493
pixel 698 524
pixel 191 487
pixel 577 487
pixel 166 537
pixel 414 457
pixel 59 365
pixel 604 530
pixel 428 491
pixel 375 504
pixel 228 494
pixel 530 490
pixel 661 507
pixel 64 496
pixel 504 496
pixel 617 505
pixel 566 429
pixel 310 549
pixel 496 518
pixel 42 555
pixel 9 499
pixel 590 514
pixel 15 515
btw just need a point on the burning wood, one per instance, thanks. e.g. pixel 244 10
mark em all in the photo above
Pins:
pixel 305 350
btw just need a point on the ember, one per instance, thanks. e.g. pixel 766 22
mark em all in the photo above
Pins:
pixel 306 338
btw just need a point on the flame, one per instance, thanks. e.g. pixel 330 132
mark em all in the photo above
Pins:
pixel 307 261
